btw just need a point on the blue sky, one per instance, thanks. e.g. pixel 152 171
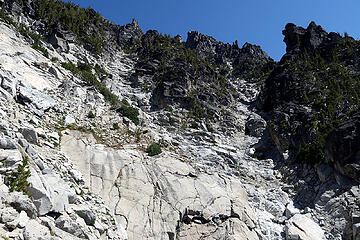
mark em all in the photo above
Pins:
pixel 258 22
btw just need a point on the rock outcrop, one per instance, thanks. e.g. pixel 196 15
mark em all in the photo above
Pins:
pixel 129 35
pixel 313 121
pixel 342 148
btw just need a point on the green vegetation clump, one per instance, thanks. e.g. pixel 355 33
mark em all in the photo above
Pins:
pixel 6 18
pixel 153 149
pixel 327 81
pixel 41 49
pixel 116 126
pixel 259 70
pixel 184 67
pixel 71 67
pixel 86 24
pixel 83 70
pixel 91 114
pixel 129 112
pixel 100 71
pixel 26 32
pixel 17 179
pixel 136 134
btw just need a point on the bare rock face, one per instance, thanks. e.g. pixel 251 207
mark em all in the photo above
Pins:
pixel 38 101
pixel 162 197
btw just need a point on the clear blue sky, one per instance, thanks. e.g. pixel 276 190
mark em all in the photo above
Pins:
pixel 258 22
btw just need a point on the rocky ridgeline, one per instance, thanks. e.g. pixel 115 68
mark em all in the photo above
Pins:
pixel 78 115
pixel 312 97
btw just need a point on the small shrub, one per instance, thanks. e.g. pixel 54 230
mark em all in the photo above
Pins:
pixel 209 127
pixel 100 71
pixel 70 66
pixel 115 126
pixel 17 180
pixel 6 18
pixel 153 149
pixel 194 124
pixel 91 115
pixel 138 135
pixel 41 49
pixel 130 112
pixel 84 66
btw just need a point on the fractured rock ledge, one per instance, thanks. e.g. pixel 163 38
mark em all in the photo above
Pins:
pixel 162 196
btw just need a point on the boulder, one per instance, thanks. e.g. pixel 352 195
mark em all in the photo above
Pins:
pixel 9 84
pixel 69 120
pixel 6 143
pixel 5 95
pixel 58 42
pixel 300 227
pixel 66 224
pixel 255 126
pixel 23 219
pixel 78 177
pixel 54 135
pixel 22 203
pixel 36 100
pixel 291 210
pixel 35 230
pixel 8 215
pixel 30 135
pixel 86 214
pixel 12 158
pixel 54 72
pixel 49 192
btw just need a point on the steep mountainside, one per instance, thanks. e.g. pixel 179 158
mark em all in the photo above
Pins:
pixel 107 132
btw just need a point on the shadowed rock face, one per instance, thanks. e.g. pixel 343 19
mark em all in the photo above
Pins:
pixel 300 38
pixel 195 75
pixel 342 147
pixel 221 53
pixel 317 75
pixel 129 34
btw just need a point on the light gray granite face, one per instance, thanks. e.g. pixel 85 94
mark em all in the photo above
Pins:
pixel 92 181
